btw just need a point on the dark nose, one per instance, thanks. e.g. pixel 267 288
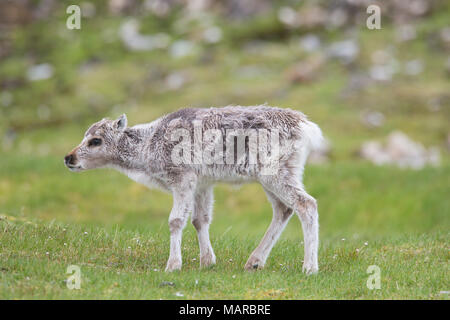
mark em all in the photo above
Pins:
pixel 69 159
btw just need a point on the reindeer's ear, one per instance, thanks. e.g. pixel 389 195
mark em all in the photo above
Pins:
pixel 121 122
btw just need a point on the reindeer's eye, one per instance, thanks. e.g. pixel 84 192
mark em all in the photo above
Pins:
pixel 95 142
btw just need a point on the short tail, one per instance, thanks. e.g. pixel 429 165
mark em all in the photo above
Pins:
pixel 313 135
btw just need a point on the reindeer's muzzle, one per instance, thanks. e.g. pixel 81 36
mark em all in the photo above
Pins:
pixel 71 162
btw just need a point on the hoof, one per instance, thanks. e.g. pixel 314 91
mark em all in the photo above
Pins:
pixel 310 269
pixel 173 265
pixel 207 260
pixel 253 264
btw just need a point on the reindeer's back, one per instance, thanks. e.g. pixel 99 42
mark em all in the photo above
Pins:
pixel 234 117
pixel 286 122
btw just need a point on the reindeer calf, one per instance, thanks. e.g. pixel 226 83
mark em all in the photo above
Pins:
pixel 188 151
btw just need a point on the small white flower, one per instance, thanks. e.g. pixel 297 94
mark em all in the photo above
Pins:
pixel 194 259
pixel 366 243
pixel 357 250
pixel 179 294
pixel 156 270
pixel 47 253
pixel 234 276
pixel 196 282
pixel 343 239
pixel 129 247
pixel 85 232
pixel 65 244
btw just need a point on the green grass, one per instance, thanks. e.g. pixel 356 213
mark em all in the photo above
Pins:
pixel 45 210
pixel 122 264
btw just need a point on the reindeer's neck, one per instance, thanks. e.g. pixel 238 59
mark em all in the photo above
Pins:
pixel 132 153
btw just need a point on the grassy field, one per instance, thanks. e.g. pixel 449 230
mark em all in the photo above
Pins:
pixel 116 230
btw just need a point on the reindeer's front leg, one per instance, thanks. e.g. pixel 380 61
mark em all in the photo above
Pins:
pixel 183 203
pixel 201 219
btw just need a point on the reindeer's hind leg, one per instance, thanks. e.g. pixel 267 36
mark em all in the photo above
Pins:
pixel 306 208
pixel 292 194
pixel 201 219
pixel 281 216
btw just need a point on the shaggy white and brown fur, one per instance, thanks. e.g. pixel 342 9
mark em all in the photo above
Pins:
pixel 145 153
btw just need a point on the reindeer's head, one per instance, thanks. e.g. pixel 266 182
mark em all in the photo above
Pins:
pixel 99 146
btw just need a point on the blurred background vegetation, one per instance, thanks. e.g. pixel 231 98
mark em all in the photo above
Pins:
pixel 381 97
